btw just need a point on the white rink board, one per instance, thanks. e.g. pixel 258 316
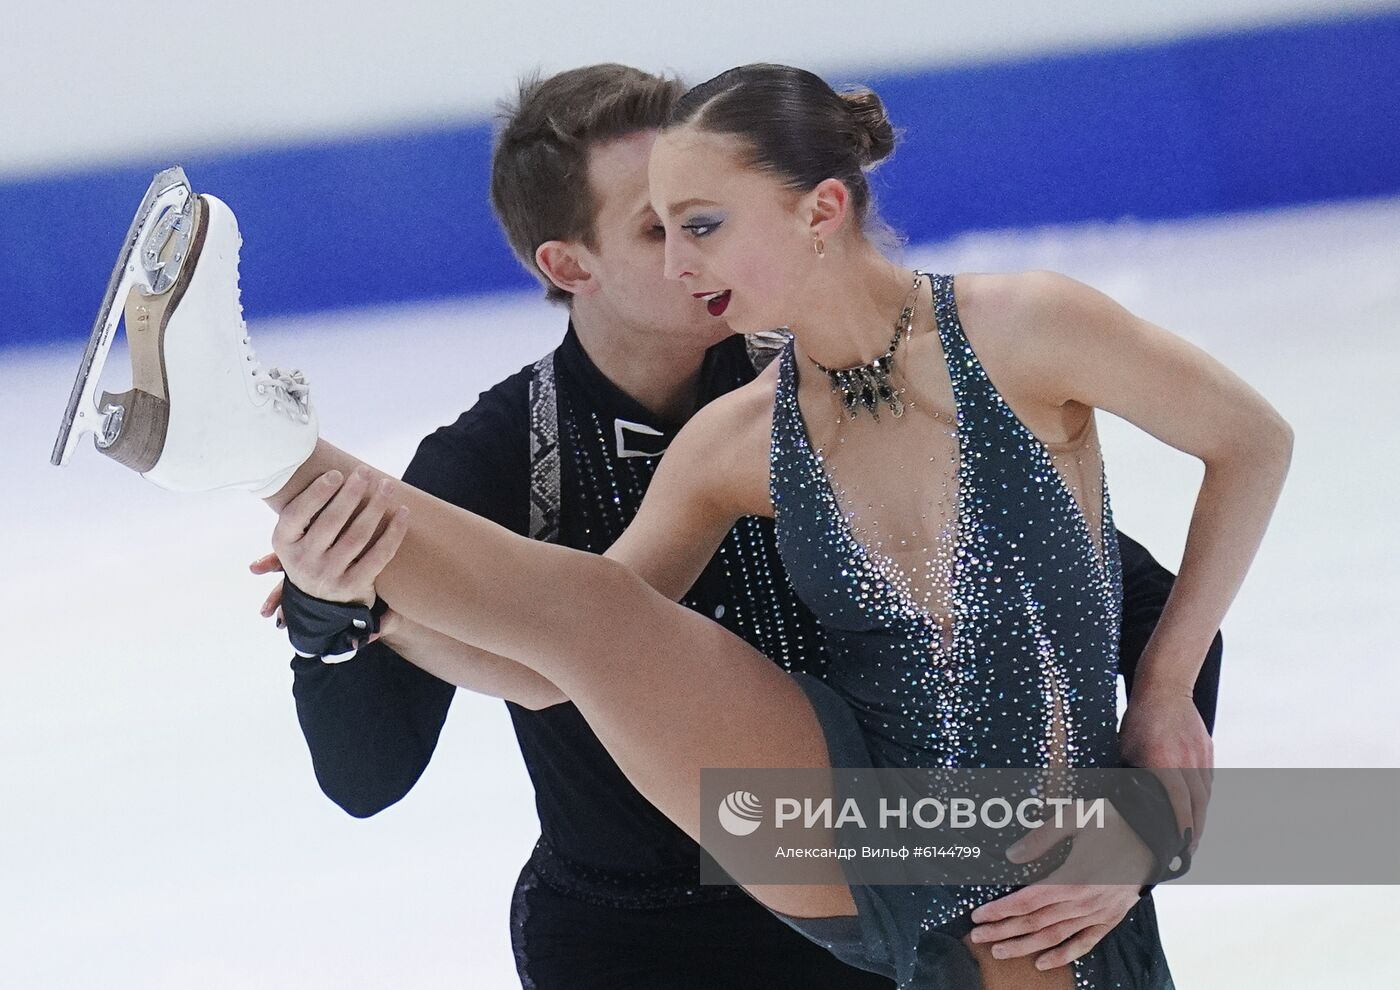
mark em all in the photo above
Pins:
pixel 99 81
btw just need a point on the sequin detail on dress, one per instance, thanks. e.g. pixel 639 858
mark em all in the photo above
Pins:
pixel 972 605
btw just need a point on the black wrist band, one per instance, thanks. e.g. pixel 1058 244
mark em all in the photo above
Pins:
pixel 321 628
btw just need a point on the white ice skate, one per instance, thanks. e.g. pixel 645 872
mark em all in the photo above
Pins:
pixel 200 414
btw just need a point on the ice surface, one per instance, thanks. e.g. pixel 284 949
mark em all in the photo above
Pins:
pixel 160 824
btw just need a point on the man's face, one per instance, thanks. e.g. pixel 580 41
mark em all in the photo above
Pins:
pixel 629 259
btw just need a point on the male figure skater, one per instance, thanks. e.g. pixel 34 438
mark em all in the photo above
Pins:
pixel 563 450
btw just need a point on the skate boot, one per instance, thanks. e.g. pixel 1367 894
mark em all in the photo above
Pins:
pixel 201 414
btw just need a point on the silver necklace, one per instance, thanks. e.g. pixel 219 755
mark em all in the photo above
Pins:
pixel 869 384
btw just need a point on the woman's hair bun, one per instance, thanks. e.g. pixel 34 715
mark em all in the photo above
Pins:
pixel 873 128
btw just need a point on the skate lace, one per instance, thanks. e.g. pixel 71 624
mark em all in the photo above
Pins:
pixel 291 393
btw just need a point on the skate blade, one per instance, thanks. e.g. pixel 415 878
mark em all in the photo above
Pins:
pixel 151 259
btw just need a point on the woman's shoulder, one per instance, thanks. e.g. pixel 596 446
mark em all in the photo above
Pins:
pixel 1013 321
pixel 726 443
pixel 739 421
pixel 1008 316
pixel 746 409
pixel 1001 302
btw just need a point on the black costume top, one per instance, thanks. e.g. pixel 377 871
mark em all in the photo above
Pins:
pixel 557 452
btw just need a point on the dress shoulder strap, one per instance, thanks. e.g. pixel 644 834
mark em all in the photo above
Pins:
pixel 785 394
pixel 789 438
pixel 978 402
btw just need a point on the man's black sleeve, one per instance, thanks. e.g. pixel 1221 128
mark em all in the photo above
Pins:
pixel 1146 585
pixel 372 722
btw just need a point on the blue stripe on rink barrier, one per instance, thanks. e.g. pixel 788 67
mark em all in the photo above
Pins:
pixel 1207 124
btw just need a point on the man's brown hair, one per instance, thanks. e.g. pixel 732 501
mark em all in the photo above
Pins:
pixel 539 165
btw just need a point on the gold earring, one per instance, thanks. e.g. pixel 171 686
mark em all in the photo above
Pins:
pixel 819 247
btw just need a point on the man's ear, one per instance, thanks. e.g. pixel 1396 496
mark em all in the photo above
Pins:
pixel 828 206
pixel 563 265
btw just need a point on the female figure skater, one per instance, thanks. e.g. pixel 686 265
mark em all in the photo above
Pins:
pixel 927 447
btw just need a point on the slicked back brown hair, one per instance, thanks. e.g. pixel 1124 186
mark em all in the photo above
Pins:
pixel 794 125
pixel 539 165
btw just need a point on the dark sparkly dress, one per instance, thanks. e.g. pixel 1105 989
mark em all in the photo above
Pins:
pixel 972 620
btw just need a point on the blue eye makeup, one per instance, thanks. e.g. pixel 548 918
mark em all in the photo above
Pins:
pixel 702 226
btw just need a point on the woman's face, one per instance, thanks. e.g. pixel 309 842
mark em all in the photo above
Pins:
pixel 729 229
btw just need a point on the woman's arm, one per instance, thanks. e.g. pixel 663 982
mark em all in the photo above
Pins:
pixel 1063 342
pixel 466 666
pixel 1146 587
pixel 1079 345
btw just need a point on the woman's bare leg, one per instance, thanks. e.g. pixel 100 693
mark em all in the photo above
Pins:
pixel 1019 973
pixel 666 691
